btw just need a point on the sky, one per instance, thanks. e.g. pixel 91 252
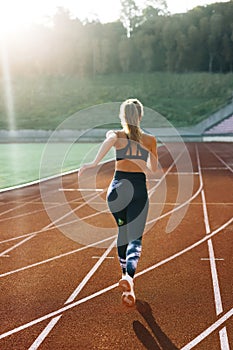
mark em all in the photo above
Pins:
pixel 15 13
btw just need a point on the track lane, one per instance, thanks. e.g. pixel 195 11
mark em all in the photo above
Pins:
pixel 56 340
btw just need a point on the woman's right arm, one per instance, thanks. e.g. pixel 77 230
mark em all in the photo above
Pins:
pixel 110 140
pixel 152 161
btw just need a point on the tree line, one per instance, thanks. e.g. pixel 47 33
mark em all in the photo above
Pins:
pixel 144 40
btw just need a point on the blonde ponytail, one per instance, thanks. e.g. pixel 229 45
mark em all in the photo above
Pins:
pixel 130 118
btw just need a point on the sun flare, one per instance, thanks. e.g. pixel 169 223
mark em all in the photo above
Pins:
pixel 11 19
pixel 16 15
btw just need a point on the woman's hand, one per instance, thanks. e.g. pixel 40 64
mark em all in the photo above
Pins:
pixel 85 167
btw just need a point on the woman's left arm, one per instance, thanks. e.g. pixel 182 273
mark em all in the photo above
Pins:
pixel 108 143
pixel 153 156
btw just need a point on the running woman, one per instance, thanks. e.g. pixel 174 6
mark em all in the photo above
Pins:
pixel 127 197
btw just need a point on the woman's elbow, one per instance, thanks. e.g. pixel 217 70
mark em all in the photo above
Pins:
pixel 152 166
pixel 153 169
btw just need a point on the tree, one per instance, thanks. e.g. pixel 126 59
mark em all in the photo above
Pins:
pixel 160 6
pixel 215 38
pixel 126 50
pixel 228 51
pixel 170 30
pixel 129 15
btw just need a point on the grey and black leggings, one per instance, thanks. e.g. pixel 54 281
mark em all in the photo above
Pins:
pixel 128 202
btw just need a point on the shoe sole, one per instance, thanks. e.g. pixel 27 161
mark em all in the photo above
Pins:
pixel 124 286
pixel 128 300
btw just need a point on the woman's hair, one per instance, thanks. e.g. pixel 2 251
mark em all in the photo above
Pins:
pixel 131 112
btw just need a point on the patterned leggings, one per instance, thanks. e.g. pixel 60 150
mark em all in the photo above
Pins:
pixel 128 202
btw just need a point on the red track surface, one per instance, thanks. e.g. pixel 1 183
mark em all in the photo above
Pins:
pixel 184 285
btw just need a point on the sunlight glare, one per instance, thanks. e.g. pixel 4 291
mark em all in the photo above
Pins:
pixel 15 15
pixel 6 79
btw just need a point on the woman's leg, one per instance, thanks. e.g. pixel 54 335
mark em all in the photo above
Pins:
pixel 133 254
pixel 115 202
pixel 131 223
pixel 122 248
pixel 136 218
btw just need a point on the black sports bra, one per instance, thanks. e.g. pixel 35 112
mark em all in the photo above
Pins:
pixel 126 152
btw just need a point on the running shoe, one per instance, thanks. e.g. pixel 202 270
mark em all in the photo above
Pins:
pixel 127 286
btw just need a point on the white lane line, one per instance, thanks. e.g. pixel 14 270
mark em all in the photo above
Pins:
pixel 175 209
pixel 30 234
pixel 90 273
pixel 57 312
pixel 224 341
pixel 55 205
pixel 65 254
pixel 72 211
pixel 92 215
pixel 50 226
pixel 81 189
pixel 208 259
pixel 217 294
pixel 219 158
pixel 31 199
pixel 178 207
pixel 37 182
pixel 16 246
pixel 44 229
pixel 45 333
pixel 12 209
pixel 37 197
pixel 213 267
pixel 151 191
pixel 214 168
pixel 194 245
pixel 60 256
pixel 76 201
pixel 184 173
pixel 36 211
pixel 208 331
pixel 28 213
pixel 56 257
pixel 204 207
pixel 217 203
pixel 107 257
pixel 95 196
pixel 102 291
pixel 71 298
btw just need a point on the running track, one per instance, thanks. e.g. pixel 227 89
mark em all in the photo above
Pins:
pixel 57 293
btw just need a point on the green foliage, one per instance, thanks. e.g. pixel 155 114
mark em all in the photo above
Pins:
pixel 147 39
pixel 184 99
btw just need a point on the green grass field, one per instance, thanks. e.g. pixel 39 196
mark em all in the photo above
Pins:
pixel 43 102
pixel 20 163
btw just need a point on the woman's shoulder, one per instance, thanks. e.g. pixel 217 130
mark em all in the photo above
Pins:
pixel 148 137
pixel 115 133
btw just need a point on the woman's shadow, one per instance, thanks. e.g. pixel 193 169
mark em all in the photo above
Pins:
pixel 159 340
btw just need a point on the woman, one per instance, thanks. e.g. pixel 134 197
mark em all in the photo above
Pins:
pixel 136 155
